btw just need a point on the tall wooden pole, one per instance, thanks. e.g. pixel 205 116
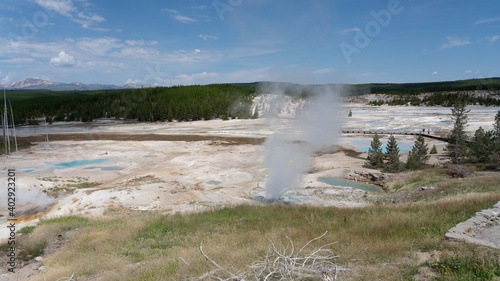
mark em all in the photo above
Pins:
pixel 3 123
pixel 13 124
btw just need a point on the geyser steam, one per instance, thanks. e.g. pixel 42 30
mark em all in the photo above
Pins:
pixel 28 199
pixel 314 126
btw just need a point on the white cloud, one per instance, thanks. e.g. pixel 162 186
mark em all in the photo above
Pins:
pixel 201 7
pixel 324 71
pixel 18 60
pixel 196 78
pixel 68 9
pixel 170 11
pixel 470 71
pixel 483 21
pixel 96 46
pixel 140 42
pixel 183 19
pixel 7 78
pixel 63 7
pixel 91 17
pixel 455 42
pixel 112 55
pixel 175 15
pixel 494 38
pixel 349 30
pixel 63 59
pixel 205 37
pixel 434 73
pixel 131 81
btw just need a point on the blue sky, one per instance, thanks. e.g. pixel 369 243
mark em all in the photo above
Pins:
pixel 206 41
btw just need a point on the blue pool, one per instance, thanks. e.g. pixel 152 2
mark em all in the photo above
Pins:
pixel 77 163
pixel 364 144
pixel 64 165
pixel 365 187
pixel 214 182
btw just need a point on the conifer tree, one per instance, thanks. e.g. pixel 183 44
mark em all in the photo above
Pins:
pixel 392 155
pixel 496 132
pixel 375 155
pixel 418 155
pixel 434 149
pixel 496 125
pixel 457 145
pixel 482 146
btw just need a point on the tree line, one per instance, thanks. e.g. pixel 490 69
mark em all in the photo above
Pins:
pixel 489 84
pixel 181 103
pixel 439 99
pixel 483 147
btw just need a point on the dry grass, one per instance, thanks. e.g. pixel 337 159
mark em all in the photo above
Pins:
pixel 406 187
pixel 375 241
pixel 142 137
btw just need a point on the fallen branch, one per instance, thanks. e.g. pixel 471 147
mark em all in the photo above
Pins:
pixel 284 263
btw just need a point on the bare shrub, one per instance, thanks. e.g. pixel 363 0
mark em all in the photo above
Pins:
pixel 457 171
pixel 284 262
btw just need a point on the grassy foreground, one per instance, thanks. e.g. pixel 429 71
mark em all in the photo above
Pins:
pixel 377 242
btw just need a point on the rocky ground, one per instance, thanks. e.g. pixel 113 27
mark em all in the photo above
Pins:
pixel 483 229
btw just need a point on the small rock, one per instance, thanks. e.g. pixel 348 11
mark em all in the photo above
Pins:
pixel 41 268
pixel 385 176
pixel 38 259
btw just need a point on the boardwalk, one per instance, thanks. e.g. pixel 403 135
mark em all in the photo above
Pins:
pixel 373 132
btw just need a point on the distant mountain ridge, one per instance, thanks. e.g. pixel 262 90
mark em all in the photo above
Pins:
pixel 40 84
pixel 491 84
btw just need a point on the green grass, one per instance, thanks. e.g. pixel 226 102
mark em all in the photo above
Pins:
pixel 427 177
pixel 463 267
pixel 147 246
pixel 408 188
pixel 27 229
pixel 40 236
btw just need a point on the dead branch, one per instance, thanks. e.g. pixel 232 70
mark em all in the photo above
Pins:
pixel 283 262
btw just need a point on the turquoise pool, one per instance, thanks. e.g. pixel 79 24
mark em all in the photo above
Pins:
pixel 365 187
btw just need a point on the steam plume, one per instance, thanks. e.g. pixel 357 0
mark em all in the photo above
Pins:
pixel 28 199
pixel 315 125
